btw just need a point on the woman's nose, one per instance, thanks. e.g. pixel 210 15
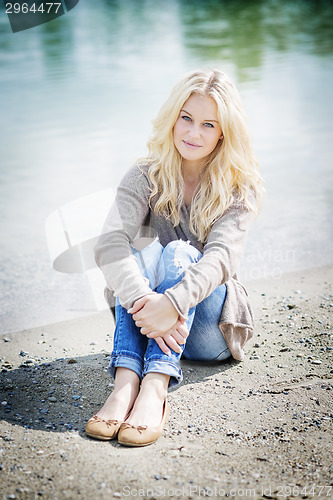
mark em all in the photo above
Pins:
pixel 195 130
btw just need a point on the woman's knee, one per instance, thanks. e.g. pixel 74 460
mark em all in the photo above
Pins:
pixel 179 252
pixel 176 258
pixel 172 246
pixel 149 262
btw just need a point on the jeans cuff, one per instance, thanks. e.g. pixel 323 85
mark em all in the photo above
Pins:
pixel 125 361
pixel 166 367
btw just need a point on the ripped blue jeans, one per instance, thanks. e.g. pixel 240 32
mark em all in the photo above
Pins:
pixel 164 267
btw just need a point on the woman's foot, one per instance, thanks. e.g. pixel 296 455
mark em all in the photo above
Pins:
pixel 121 399
pixel 106 422
pixel 148 407
pixel 149 415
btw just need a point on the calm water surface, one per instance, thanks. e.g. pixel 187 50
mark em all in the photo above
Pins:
pixel 77 98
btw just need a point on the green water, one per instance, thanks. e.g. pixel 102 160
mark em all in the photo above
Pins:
pixel 77 98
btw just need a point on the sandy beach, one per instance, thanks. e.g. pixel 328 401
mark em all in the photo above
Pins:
pixel 261 428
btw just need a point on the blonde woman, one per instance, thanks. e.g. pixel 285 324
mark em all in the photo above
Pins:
pixel 198 191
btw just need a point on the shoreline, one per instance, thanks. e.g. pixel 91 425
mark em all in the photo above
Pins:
pixel 81 304
pixel 101 318
pixel 261 425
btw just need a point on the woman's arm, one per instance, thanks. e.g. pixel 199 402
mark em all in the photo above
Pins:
pixel 220 260
pixel 113 251
pixel 218 264
pixel 120 268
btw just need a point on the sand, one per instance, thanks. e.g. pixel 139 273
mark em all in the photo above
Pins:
pixel 261 428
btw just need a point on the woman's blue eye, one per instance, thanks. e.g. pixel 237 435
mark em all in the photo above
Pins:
pixel 210 125
pixel 187 118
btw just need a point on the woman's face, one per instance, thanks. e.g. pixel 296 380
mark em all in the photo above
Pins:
pixel 197 130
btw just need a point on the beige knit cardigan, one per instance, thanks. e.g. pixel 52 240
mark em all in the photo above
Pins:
pixel 131 216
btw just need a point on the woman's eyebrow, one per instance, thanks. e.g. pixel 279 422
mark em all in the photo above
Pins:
pixel 204 120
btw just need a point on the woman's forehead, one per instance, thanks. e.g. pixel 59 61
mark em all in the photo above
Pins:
pixel 201 105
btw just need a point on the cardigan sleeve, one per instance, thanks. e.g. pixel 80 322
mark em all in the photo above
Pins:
pixel 220 260
pixel 113 252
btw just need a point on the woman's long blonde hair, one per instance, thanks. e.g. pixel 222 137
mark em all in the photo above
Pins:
pixel 230 169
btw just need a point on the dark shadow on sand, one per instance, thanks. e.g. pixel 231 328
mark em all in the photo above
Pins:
pixel 62 395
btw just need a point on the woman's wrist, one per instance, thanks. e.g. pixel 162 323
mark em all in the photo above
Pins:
pixel 171 299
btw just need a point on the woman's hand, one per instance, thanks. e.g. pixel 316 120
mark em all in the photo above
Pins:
pixel 173 338
pixel 154 313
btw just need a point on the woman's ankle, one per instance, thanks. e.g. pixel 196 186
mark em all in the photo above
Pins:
pixel 156 384
pixel 123 396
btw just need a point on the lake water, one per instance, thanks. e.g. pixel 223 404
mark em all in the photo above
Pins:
pixel 77 98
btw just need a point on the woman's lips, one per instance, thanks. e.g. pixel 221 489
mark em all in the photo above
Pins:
pixel 191 145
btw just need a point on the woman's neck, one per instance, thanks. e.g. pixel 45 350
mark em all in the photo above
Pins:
pixel 191 177
pixel 192 173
